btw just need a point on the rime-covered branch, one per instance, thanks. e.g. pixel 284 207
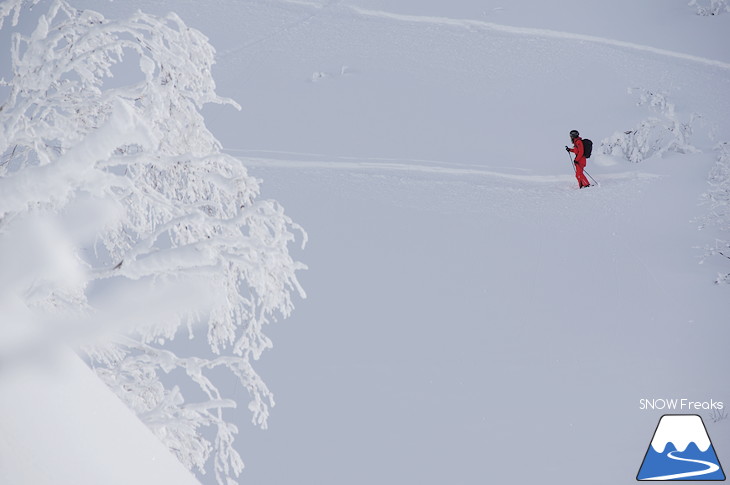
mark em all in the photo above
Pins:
pixel 143 220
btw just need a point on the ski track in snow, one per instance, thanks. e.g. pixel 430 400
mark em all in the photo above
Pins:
pixel 525 31
pixel 408 166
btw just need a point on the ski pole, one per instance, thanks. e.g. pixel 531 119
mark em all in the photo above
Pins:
pixel 594 180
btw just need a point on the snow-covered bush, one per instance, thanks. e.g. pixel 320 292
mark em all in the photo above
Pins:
pixel 122 223
pixel 718 199
pixel 664 132
pixel 711 7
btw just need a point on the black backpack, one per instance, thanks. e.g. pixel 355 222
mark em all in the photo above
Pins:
pixel 587 147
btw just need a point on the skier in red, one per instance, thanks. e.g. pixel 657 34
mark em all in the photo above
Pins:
pixel 580 159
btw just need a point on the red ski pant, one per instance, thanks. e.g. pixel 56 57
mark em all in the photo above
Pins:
pixel 582 180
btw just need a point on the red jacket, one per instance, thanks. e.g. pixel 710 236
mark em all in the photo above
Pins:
pixel 578 150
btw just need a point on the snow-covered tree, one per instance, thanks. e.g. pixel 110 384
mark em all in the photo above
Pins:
pixel 710 7
pixel 718 200
pixel 122 223
pixel 662 132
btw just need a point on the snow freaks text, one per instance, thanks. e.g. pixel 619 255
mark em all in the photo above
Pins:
pixel 679 405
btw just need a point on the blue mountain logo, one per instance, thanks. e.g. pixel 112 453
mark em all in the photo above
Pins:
pixel 681 450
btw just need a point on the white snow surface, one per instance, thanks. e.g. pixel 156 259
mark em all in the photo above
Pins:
pixel 470 312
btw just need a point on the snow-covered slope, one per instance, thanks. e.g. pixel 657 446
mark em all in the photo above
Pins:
pixel 472 317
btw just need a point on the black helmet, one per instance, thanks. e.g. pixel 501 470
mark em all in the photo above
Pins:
pixel 574 134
